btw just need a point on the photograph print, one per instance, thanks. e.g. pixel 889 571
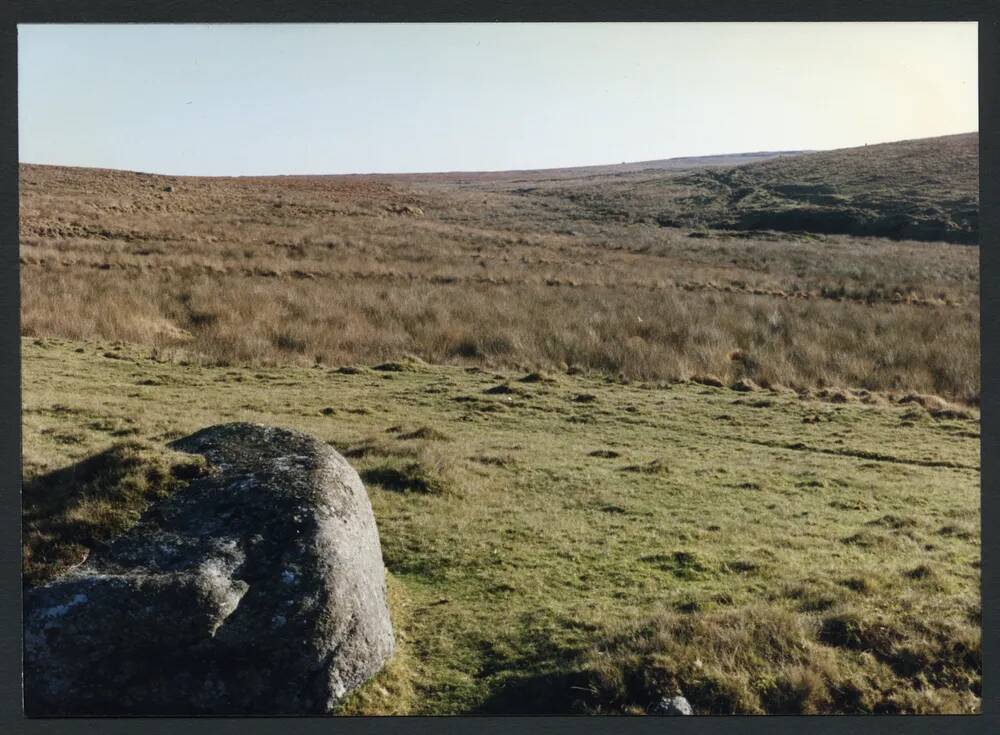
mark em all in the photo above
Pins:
pixel 499 369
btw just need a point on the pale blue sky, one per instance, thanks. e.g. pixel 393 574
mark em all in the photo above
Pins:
pixel 284 99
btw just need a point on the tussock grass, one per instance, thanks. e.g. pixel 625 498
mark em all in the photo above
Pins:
pixel 767 659
pixel 425 433
pixel 485 276
pixel 409 476
pixel 70 511
pixel 416 462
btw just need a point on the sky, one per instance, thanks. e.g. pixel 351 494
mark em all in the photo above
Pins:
pixel 364 98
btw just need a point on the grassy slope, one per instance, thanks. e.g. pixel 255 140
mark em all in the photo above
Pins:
pixel 572 517
pixel 528 270
pixel 924 189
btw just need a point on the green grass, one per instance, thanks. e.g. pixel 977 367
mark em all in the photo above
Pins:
pixel 757 551
pixel 70 511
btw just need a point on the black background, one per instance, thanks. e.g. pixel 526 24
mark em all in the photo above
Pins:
pixel 266 11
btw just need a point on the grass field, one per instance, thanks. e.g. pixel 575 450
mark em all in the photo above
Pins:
pixel 627 430
pixel 569 543
pixel 529 270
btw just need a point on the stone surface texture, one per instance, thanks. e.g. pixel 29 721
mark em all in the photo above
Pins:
pixel 258 589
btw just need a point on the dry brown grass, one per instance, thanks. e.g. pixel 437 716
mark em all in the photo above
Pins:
pixel 343 270
pixel 925 189
pixel 767 659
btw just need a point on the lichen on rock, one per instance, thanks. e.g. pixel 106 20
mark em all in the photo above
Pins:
pixel 259 589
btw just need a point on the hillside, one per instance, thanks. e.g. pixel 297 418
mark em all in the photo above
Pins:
pixel 912 190
pixel 916 190
pixel 682 163
pixel 616 446
pixel 603 272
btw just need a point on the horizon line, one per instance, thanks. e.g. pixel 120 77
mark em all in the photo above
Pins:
pixel 480 172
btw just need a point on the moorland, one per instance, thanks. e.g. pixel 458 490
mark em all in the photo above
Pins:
pixel 703 425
